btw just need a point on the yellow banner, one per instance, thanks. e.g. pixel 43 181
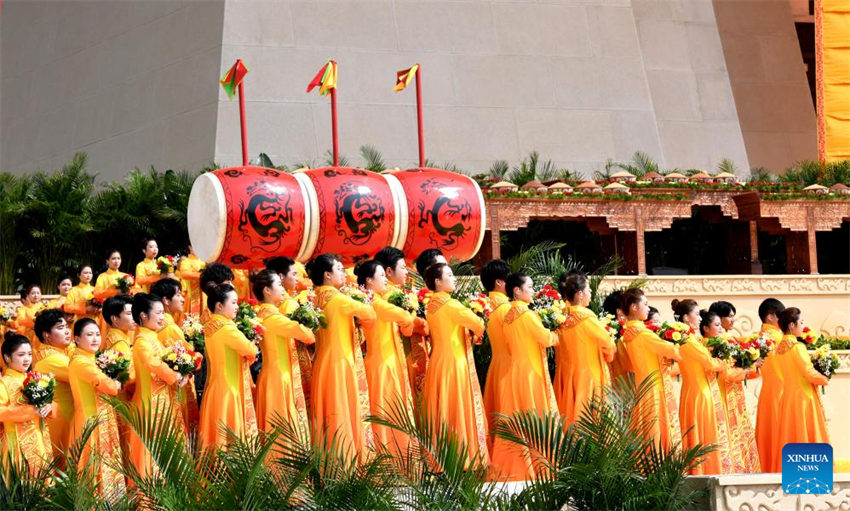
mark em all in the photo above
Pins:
pixel 832 54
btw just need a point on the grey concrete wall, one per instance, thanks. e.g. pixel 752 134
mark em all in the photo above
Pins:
pixel 133 83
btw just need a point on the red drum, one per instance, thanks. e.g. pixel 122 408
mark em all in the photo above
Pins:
pixel 242 216
pixel 354 212
pixel 445 211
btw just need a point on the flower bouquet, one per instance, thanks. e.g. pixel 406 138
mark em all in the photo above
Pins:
pixel 479 304
pixel 182 361
pixel 825 361
pixel 307 314
pixel 193 331
pixel 748 352
pixel 809 336
pixel 114 364
pixel 722 346
pixel 548 305
pixel 94 302
pixel 675 332
pixel 5 315
pixel 612 325
pixel 247 322
pixel 405 300
pixel 124 283
pixel 38 389
pixel 423 297
pixel 358 293
pixel 166 264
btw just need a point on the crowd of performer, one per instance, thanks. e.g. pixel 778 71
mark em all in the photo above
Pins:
pixel 376 357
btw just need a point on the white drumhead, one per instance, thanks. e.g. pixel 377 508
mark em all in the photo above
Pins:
pixel 207 217
pixel 483 215
pixel 401 213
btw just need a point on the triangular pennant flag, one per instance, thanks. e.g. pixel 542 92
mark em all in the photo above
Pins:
pixel 404 77
pixel 325 79
pixel 233 77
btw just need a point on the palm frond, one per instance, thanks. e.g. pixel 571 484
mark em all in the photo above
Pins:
pixel 727 165
pixel 499 169
pixel 524 256
pixel 373 159
pixel 329 159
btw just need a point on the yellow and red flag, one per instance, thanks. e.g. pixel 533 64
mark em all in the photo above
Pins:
pixel 404 77
pixel 233 77
pixel 325 79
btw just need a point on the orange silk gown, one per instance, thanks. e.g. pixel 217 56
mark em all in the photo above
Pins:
pixel 386 370
pixel 582 355
pixel 305 353
pixel 78 298
pixel 801 417
pixel 698 410
pixel 155 393
pixel 24 322
pixel 742 437
pixel 104 287
pixel 48 359
pixel 22 436
pixel 146 274
pixel 451 392
pixel 279 392
pixel 227 399
pixel 527 387
pixel 87 382
pixel 171 335
pixel 339 403
pixel 118 340
pixel 770 399
pixel 646 353
pixel 189 272
pixel 500 360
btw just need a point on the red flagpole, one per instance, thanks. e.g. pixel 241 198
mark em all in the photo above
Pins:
pixel 242 120
pixel 419 117
pixel 333 127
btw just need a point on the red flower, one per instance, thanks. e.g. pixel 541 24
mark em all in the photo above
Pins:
pixel 669 335
pixel 251 301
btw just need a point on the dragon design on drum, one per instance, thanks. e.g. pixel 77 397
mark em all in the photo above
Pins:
pixel 267 217
pixel 449 214
pixel 359 213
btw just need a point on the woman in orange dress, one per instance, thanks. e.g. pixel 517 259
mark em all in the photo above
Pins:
pixel 650 358
pixel 386 367
pixel 528 386
pixel 24 321
pixel 227 398
pixel 147 271
pixel 189 273
pixel 494 277
pixel 585 350
pixel 118 316
pixel 772 387
pixel 88 384
pixel 22 437
pixel 77 302
pixel 451 392
pixel 52 357
pixel 801 417
pixel 339 403
pixel 279 392
pixel 620 367
pixel 701 412
pixel 156 383
pixel 106 285
pixel 168 290
pixel 64 287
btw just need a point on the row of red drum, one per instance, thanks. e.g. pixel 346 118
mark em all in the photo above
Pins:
pixel 243 216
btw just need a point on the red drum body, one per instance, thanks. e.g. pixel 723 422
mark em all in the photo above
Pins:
pixel 354 212
pixel 445 211
pixel 242 216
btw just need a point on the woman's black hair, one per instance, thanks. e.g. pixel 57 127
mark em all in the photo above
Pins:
pixel 217 273
pixel 82 323
pixel 706 318
pixel 612 302
pixel 514 281
pixel 682 308
pixel 111 251
pixel 652 310
pixel 261 280
pixel 366 270
pixel 571 283
pixel 114 306
pixel 630 297
pixel 143 303
pixel 83 266
pixel 217 293
pixel 320 265
pixel 45 321
pixel 11 342
pixel 166 288
pixel 788 316
pixel 494 270
pixel 432 273
pixel 426 259
pixel 65 277
pixel 26 290
pixel 389 257
pixel 145 242
pixel 723 309
pixel 280 265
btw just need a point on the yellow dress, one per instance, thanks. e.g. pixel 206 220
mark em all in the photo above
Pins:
pixel 801 417
pixel 528 386
pixel 386 369
pixel 451 392
pixel 48 359
pixel 22 435
pixel 770 398
pixel 742 436
pixel 57 303
pixel 227 399
pixel 279 392
pixel 104 287
pixel 340 394
pixel 649 355
pixel 77 300
pixel 24 321
pixel 583 354
pixel 146 274
pixel 120 341
pixel 500 360
pixel 171 335
pixel 305 353
pixel 189 272
pixel 701 412
pixel 242 284
pixel 87 383
pixel 155 393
